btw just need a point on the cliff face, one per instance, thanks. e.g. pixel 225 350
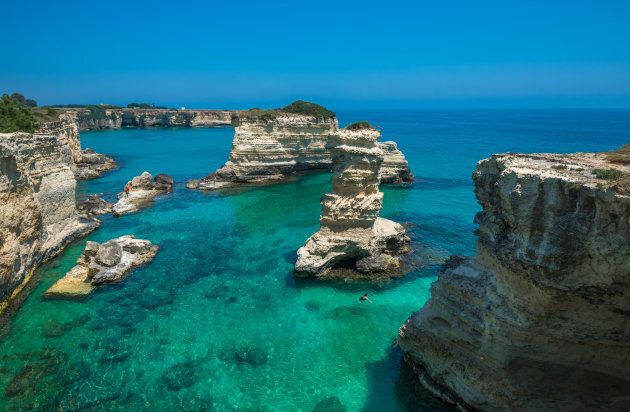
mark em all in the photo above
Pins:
pixel 268 149
pixel 539 319
pixel 118 118
pixel 38 215
pixel 395 169
pixel 352 236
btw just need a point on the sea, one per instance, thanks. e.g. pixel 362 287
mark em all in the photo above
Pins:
pixel 217 321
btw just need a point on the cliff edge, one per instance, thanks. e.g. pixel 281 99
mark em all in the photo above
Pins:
pixel 539 318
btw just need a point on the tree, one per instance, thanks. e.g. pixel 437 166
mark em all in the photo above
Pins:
pixel 14 116
pixel 22 101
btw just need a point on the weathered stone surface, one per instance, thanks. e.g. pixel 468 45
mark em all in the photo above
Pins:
pixel 119 118
pixel 38 215
pixel 143 189
pixel 269 149
pixel 86 164
pixel 539 319
pixel 353 240
pixel 102 263
pixel 394 169
pixel 94 205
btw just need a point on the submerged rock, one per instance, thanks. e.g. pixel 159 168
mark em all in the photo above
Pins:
pixel 538 318
pixel 142 190
pixel 102 263
pixel 353 240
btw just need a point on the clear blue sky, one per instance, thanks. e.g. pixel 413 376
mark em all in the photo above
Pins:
pixel 399 54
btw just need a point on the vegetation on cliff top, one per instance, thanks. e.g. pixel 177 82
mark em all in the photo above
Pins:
pixel 144 106
pixel 621 155
pixel 297 107
pixel 16 114
pixel 359 126
pixel 608 174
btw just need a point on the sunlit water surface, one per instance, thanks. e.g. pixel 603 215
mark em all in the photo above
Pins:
pixel 217 320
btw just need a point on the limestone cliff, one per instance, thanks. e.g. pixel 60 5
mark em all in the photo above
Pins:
pixel 86 164
pixel 117 118
pixel 539 319
pixel 395 169
pixel 38 215
pixel 270 148
pixel 353 240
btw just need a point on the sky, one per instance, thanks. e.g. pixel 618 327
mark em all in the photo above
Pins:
pixel 343 54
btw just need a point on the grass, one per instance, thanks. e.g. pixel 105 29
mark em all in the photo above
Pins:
pixel 608 174
pixel 621 155
pixel 359 126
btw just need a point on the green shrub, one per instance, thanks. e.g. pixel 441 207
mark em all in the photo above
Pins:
pixel 621 155
pixel 309 109
pixel 95 112
pixel 359 126
pixel 608 174
pixel 559 167
pixel 15 117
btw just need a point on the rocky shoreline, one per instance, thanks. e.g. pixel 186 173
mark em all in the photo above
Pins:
pixel 141 190
pixel 538 318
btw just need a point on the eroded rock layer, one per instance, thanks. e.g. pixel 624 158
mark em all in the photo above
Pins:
pixel 38 214
pixel 100 264
pixel 539 319
pixel 118 118
pixel 353 240
pixel 269 149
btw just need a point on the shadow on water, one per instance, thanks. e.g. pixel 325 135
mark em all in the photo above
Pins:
pixel 392 372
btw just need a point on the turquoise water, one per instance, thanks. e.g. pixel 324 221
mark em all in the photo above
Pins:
pixel 217 320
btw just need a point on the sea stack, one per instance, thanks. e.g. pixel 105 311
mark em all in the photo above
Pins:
pixel 102 263
pixel 140 191
pixel 539 318
pixel 353 241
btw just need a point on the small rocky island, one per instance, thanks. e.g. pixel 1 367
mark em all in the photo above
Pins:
pixel 102 263
pixel 353 241
pixel 539 319
pixel 140 191
pixel 271 145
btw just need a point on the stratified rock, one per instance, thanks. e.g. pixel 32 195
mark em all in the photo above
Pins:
pixel 269 146
pixel 38 215
pixel 143 189
pixel 94 205
pixel 102 263
pixel 86 164
pixel 106 118
pixel 394 169
pixel 539 319
pixel 353 240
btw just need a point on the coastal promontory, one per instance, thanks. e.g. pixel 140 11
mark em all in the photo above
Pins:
pixel 539 318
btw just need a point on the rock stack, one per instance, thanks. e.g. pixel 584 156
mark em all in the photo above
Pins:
pixel 395 169
pixel 353 240
pixel 100 264
pixel 141 191
pixel 539 319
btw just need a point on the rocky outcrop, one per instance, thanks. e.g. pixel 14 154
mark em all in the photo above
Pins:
pixel 395 169
pixel 142 190
pixel 38 215
pixel 118 118
pixel 94 205
pixel 353 240
pixel 86 164
pixel 101 264
pixel 539 318
pixel 269 148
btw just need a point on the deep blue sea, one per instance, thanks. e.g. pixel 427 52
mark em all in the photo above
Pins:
pixel 217 321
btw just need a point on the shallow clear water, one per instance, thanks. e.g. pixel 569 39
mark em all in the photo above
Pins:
pixel 217 319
